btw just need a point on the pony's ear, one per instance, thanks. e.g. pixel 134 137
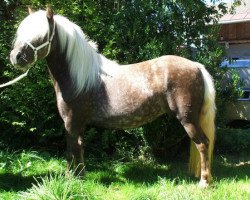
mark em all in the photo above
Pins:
pixel 30 10
pixel 49 12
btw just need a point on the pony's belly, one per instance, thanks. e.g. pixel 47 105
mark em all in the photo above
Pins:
pixel 128 120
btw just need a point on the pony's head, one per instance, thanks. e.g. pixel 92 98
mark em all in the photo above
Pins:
pixel 33 38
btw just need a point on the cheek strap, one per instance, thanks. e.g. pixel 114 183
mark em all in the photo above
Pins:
pixel 48 42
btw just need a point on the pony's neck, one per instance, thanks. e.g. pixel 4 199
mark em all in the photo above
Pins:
pixel 74 63
pixel 79 54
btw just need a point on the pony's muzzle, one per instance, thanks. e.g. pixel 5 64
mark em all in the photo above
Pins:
pixel 14 57
pixel 18 59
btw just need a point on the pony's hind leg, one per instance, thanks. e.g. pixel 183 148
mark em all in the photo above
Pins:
pixel 202 143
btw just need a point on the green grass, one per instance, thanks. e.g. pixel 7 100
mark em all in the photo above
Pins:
pixel 33 175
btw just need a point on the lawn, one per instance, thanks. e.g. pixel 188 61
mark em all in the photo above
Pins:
pixel 40 175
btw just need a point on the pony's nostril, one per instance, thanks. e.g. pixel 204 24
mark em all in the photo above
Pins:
pixel 18 56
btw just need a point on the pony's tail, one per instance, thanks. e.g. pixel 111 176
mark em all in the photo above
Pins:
pixel 206 122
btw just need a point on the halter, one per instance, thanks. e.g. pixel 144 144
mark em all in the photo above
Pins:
pixel 35 49
pixel 50 38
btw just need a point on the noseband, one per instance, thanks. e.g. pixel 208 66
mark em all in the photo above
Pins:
pixel 50 38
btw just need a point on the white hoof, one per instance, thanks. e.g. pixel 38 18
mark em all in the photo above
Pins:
pixel 203 184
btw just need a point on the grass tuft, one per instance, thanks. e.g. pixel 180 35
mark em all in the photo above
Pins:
pixel 54 187
pixel 30 175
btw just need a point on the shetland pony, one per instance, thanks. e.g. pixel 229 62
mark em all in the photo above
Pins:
pixel 93 90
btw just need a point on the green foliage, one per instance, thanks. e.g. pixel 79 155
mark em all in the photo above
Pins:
pixel 122 144
pixel 166 138
pixel 233 140
pixel 233 89
pixel 28 110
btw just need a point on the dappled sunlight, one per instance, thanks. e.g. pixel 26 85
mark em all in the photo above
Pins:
pixel 18 170
pixel 29 173
pixel 138 172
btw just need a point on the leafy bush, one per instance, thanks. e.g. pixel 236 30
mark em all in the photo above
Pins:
pixel 166 138
pixel 233 140
pixel 28 110
pixel 122 144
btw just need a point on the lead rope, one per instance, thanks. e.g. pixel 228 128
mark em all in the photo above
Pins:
pixel 15 80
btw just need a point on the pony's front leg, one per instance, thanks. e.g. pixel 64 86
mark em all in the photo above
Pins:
pixel 75 162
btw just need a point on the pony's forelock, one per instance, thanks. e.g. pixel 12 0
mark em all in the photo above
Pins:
pixel 34 26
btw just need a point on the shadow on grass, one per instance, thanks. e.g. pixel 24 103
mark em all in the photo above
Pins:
pixel 139 172
pixel 149 173
pixel 15 182
pixel 232 172
pixel 235 167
